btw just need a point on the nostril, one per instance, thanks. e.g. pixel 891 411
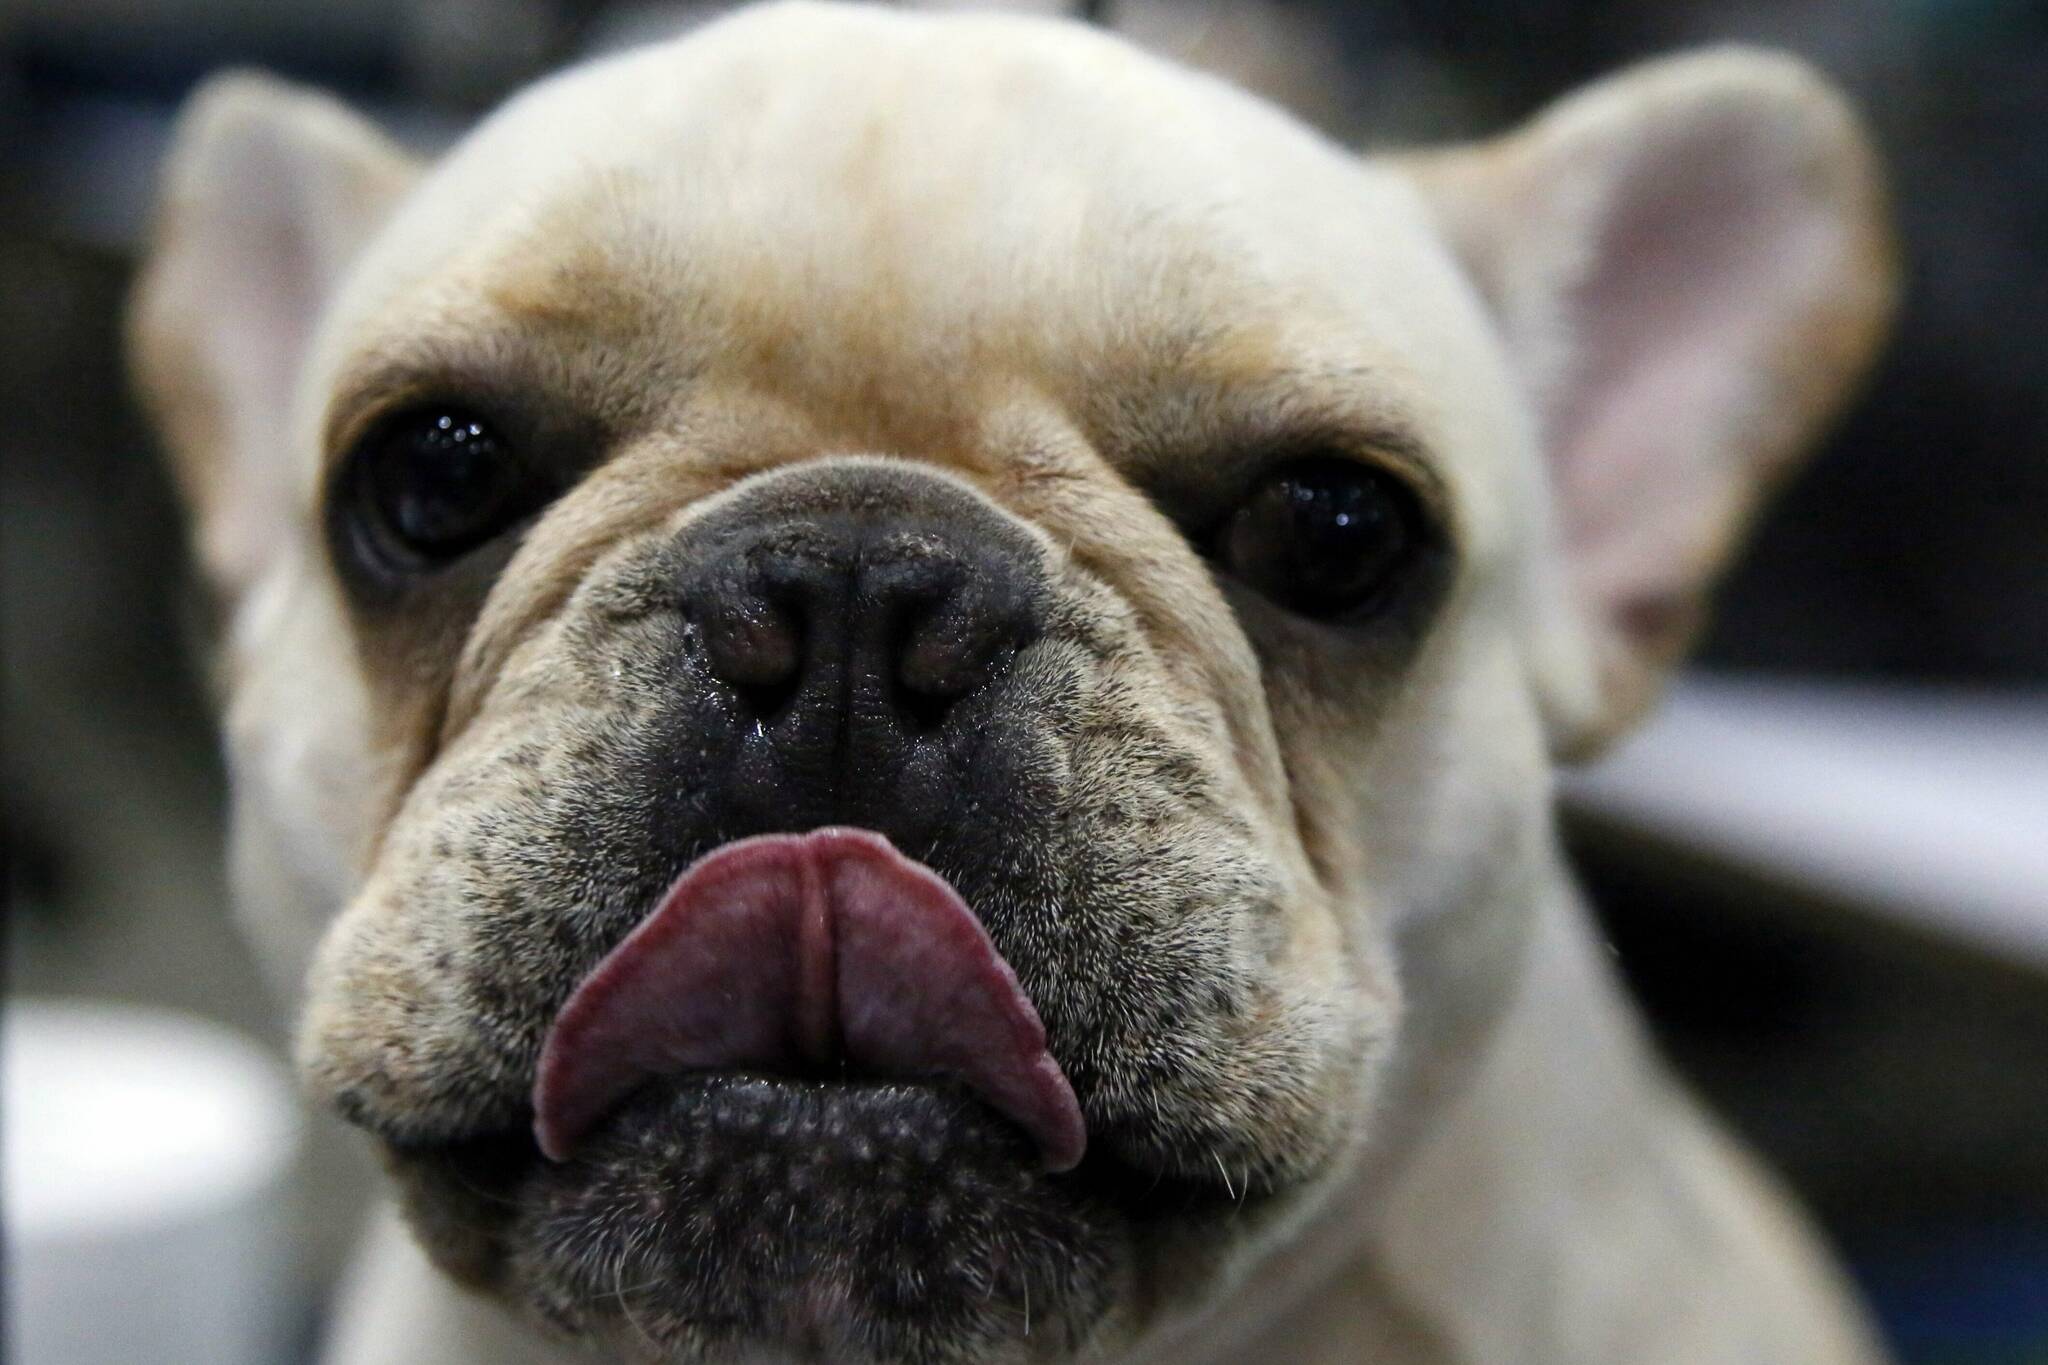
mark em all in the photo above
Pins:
pixel 755 647
pixel 928 673
pixel 943 662
pixel 923 711
pixel 968 640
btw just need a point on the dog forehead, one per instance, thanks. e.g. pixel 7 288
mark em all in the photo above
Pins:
pixel 844 119
pixel 871 200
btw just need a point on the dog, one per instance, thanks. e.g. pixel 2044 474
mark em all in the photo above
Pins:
pixel 896 679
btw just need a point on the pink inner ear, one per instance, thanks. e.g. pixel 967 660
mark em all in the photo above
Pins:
pixel 269 192
pixel 1711 260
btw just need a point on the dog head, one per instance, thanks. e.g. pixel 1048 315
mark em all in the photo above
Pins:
pixel 875 600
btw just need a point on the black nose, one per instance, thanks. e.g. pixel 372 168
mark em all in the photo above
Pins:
pixel 852 616
pixel 902 614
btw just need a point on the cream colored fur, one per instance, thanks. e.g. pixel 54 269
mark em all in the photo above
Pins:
pixel 1059 270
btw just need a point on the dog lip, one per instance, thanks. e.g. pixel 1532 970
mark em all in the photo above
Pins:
pixel 797 948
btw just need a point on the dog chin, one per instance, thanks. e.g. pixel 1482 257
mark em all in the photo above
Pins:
pixel 765 1217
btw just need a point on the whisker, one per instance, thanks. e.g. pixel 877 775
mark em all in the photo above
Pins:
pixel 1223 1171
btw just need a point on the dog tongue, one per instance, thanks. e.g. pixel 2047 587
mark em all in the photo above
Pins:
pixel 800 948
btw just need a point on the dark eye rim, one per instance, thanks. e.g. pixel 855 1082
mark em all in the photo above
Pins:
pixel 374 558
pixel 1422 568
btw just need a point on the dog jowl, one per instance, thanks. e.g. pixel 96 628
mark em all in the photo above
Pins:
pixel 870 658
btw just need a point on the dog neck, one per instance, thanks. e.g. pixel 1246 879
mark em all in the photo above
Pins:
pixel 1553 1182
pixel 1478 978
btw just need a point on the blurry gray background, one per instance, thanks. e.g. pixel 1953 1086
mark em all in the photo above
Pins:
pixel 1898 1074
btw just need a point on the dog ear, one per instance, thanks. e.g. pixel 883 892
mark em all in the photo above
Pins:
pixel 1690 265
pixel 268 192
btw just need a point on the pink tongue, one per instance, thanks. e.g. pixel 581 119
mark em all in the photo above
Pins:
pixel 798 948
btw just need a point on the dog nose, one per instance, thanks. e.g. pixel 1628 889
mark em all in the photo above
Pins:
pixel 901 613
pixel 861 623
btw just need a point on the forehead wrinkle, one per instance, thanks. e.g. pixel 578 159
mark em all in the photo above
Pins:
pixel 577 262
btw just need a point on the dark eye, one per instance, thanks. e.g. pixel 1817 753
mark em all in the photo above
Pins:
pixel 434 483
pixel 1323 536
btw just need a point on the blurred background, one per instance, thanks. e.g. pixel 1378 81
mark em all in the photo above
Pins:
pixel 1824 866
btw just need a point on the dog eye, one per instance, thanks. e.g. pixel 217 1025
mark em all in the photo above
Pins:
pixel 434 483
pixel 1324 536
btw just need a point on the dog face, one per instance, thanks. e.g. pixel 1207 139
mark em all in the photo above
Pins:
pixel 1183 543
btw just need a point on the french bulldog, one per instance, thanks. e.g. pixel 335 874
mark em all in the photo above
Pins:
pixel 896 679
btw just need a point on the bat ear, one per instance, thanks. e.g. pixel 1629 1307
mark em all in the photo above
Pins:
pixel 1690 264
pixel 268 193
